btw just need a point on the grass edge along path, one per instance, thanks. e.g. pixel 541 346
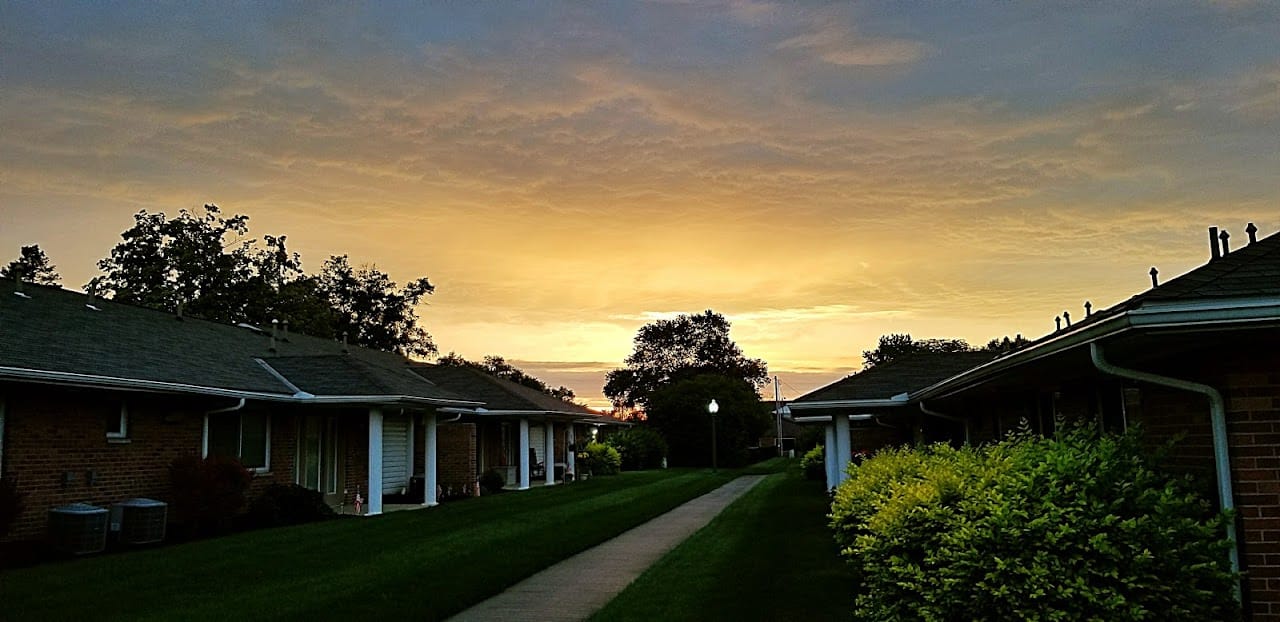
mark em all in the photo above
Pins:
pixel 768 556
pixel 414 565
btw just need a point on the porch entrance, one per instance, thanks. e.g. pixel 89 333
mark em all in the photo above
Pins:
pixel 319 457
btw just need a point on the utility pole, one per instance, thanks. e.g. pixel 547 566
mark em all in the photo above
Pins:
pixel 777 412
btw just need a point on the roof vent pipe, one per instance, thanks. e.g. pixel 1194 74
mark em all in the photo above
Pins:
pixel 1252 230
pixel 1088 308
pixel 1225 247
pixel 1057 321
pixel 1066 316
pixel 1155 277
pixel 1213 242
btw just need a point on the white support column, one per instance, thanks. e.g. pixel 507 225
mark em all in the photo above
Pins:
pixel 375 462
pixel 569 454
pixel 844 448
pixel 549 455
pixel 524 454
pixel 429 468
pixel 829 455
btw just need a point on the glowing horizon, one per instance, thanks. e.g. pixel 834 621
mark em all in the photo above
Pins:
pixel 564 173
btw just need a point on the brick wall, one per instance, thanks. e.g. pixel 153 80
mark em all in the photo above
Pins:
pixel 57 451
pixel 456 448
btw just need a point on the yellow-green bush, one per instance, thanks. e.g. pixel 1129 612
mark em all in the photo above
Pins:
pixel 814 464
pixel 1072 528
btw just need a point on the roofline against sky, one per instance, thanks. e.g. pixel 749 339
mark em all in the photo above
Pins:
pixel 133 384
pixel 1199 313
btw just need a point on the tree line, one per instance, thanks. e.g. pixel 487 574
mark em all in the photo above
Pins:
pixel 207 264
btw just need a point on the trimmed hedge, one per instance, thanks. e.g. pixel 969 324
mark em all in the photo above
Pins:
pixel 814 464
pixel 640 447
pixel 1071 528
pixel 601 459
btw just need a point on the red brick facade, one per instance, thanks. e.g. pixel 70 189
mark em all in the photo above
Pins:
pixel 56 449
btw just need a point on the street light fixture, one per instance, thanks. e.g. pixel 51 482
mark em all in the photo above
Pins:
pixel 713 408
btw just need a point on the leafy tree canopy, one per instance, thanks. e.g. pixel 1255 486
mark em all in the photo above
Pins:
pixel 1006 345
pixel 897 345
pixel 499 367
pixel 678 411
pixel 685 346
pixel 207 263
pixel 32 266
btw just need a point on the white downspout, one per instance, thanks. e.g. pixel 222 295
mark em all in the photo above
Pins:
pixel 928 411
pixel 1218 421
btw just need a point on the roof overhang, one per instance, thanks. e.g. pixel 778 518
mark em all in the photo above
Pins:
pixel 1199 315
pixel 156 386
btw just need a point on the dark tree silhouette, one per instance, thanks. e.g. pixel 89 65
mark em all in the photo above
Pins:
pixel 207 263
pixel 32 266
pixel 678 411
pixel 896 345
pixel 683 347
pixel 499 367
pixel 1006 345
pixel 371 309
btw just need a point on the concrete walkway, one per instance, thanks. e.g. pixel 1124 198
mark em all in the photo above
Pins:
pixel 579 586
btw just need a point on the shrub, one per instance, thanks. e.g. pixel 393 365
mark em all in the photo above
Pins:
pixel 602 459
pixel 492 481
pixel 814 464
pixel 10 504
pixel 1075 527
pixel 207 492
pixel 288 504
pixel 641 447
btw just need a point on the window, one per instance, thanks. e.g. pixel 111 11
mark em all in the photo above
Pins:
pixel 116 422
pixel 243 436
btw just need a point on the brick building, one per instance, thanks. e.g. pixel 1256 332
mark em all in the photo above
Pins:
pixel 97 399
pixel 1196 357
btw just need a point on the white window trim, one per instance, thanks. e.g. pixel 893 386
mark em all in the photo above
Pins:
pixel 266 459
pixel 124 424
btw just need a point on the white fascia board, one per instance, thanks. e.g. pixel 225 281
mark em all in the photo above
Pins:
pixel 830 418
pixel 1203 313
pixel 133 384
pixel 897 400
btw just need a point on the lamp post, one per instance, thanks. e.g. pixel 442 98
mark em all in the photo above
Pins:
pixel 713 408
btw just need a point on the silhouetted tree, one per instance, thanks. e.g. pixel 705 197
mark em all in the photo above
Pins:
pixel 373 311
pixel 678 411
pixel 683 347
pixel 896 345
pixel 32 266
pixel 1006 345
pixel 499 367
pixel 207 263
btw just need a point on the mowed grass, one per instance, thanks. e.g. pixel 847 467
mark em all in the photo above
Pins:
pixel 422 565
pixel 768 556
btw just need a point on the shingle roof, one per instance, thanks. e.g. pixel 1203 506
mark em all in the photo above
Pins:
pixel 903 375
pixel 1251 270
pixel 498 393
pixel 49 329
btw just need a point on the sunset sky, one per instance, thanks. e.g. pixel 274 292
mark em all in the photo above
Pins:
pixel 566 172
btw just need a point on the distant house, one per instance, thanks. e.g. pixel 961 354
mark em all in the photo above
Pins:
pixel 515 417
pixel 1197 356
pixel 97 399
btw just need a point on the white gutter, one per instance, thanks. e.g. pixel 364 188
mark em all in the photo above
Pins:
pixel 228 409
pixel 1218 421
pixel 1200 313
pixel 133 384
pixel 928 411
pixel 830 418
pixel 897 400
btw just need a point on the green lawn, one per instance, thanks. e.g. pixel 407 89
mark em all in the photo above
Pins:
pixel 768 556
pixel 408 565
